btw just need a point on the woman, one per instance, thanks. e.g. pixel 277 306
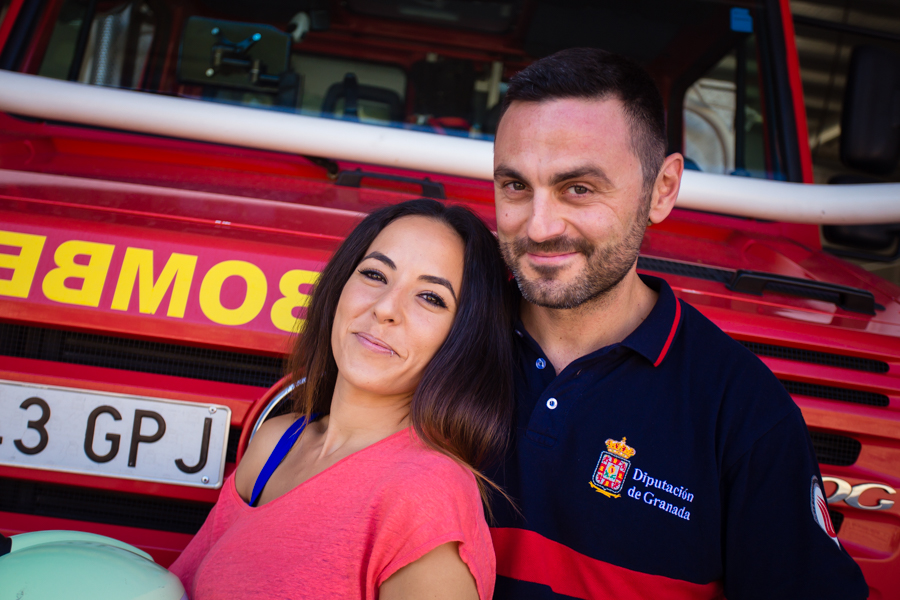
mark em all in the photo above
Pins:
pixel 407 355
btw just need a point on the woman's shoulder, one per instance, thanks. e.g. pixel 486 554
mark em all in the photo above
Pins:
pixel 415 466
pixel 262 445
pixel 430 500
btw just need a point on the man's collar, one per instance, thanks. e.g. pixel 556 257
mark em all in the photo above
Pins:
pixel 653 337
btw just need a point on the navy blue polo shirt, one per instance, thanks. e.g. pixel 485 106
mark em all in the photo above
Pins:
pixel 670 465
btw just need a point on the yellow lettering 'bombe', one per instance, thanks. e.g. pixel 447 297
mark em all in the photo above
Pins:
pixel 81 270
pixel 211 290
pixel 137 267
pixel 92 274
pixel 23 265
pixel 283 310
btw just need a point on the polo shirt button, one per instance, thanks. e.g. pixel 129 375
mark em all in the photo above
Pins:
pixel 552 403
pixel 540 363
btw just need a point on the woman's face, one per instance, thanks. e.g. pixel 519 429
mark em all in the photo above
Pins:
pixel 397 308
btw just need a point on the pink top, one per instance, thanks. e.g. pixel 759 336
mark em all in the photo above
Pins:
pixel 343 532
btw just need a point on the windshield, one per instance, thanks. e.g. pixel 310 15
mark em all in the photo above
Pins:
pixel 439 66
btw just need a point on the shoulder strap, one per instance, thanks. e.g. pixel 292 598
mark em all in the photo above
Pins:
pixel 284 445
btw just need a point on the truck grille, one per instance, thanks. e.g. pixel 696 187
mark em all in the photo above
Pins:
pixel 234 434
pixel 833 449
pixel 136 355
pixel 837 519
pixel 834 393
pixel 100 506
pixel 818 358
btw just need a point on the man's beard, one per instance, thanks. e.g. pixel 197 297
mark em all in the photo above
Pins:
pixel 605 266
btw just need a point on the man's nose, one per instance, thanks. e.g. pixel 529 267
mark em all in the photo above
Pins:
pixel 545 222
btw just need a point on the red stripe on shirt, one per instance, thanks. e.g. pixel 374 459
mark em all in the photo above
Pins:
pixel 669 339
pixel 529 556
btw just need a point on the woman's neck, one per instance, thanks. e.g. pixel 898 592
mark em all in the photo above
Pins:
pixel 359 419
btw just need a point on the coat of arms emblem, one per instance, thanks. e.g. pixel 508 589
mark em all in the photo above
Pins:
pixel 613 466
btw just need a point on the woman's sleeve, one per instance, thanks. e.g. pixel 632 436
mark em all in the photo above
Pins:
pixel 186 565
pixel 431 507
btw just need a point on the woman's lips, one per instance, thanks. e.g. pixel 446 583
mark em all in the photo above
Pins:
pixel 374 344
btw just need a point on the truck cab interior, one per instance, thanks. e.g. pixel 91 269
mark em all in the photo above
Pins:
pixel 438 67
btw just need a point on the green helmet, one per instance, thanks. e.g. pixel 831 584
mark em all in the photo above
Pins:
pixel 49 565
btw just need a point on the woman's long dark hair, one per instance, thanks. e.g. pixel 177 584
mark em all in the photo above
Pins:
pixel 463 404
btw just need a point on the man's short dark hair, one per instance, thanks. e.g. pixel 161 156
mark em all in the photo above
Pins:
pixel 595 74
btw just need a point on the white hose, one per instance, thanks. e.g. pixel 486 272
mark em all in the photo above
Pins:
pixel 791 202
pixel 65 101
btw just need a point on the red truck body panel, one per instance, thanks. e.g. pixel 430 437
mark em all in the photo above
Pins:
pixel 257 226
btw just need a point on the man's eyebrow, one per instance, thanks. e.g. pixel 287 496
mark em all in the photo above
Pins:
pixel 595 172
pixel 504 172
pixel 379 256
pixel 440 281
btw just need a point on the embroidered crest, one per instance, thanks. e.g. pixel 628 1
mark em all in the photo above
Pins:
pixel 609 476
pixel 819 507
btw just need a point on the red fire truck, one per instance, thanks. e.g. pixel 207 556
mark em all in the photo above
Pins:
pixel 174 174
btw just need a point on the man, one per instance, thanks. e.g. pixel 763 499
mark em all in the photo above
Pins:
pixel 654 457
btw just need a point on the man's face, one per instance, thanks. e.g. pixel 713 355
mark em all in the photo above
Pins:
pixel 571 207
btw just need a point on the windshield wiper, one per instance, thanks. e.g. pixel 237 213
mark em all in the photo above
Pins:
pixel 757 282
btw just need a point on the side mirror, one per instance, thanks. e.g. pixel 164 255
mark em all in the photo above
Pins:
pixel 870 120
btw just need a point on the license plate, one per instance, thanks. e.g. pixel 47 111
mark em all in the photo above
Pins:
pixel 113 435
